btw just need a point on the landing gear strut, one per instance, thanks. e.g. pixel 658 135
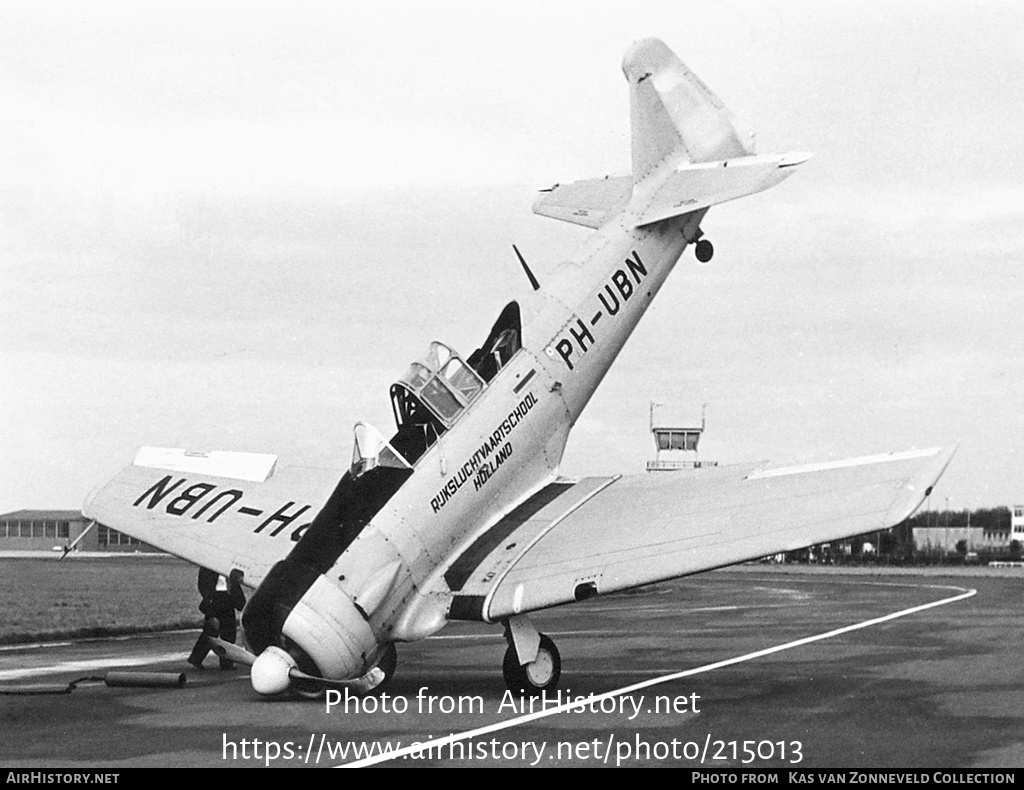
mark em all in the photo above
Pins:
pixel 532 664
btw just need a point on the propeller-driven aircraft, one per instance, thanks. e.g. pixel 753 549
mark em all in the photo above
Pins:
pixel 462 514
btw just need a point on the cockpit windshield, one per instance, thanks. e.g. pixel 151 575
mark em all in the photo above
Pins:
pixel 443 382
pixel 427 401
pixel 429 397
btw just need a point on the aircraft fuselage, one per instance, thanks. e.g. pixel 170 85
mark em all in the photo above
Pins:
pixel 509 443
pixel 480 439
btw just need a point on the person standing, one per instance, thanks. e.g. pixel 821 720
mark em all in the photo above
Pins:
pixel 221 598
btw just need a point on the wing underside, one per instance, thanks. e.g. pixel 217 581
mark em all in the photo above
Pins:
pixel 222 511
pixel 600 535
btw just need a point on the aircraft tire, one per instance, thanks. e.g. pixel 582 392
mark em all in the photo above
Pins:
pixel 704 250
pixel 539 675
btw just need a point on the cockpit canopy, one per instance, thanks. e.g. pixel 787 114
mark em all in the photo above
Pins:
pixel 370 450
pixel 434 391
pixel 428 399
pixel 443 382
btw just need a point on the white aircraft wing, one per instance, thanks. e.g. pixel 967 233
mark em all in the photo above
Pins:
pixel 220 510
pixel 598 535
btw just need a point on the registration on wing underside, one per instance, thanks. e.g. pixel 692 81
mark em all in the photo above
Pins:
pixel 207 502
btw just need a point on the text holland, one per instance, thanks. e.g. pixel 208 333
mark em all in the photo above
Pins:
pixel 490 446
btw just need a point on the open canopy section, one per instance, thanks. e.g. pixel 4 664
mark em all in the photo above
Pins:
pixel 502 343
pixel 434 391
pixel 429 397
pixel 442 382
pixel 370 450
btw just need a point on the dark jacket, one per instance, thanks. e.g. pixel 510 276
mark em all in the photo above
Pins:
pixel 216 601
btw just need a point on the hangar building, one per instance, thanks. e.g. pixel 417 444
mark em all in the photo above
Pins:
pixel 940 536
pixel 46 530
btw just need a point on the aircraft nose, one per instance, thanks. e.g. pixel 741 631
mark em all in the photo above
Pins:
pixel 270 672
pixel 269 607
pixel 298 619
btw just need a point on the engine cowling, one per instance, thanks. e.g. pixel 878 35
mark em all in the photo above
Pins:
pixel 300 619
pixel 332 631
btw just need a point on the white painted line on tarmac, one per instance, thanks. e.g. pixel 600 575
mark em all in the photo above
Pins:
pixel 673 610
pixel 86 665
pixel 33 646
pixel 90 639
pixel 509 723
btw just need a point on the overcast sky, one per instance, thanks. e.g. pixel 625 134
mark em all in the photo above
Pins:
pixel 231 226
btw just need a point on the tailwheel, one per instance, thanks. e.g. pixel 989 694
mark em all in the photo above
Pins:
pixel 704 250
pixel 537 676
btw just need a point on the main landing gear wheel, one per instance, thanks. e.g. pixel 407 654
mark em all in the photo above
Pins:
pixel 704 250
pixel 539 675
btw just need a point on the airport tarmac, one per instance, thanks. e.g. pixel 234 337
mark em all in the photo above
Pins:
pixel 940 687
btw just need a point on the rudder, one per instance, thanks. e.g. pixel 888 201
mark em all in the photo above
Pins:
pixel 674 114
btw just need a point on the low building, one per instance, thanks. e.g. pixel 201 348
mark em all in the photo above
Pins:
pixel 945 539
pixel 47 530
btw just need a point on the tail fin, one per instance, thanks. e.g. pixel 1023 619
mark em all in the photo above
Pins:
pixel 674 114
pixel 682 132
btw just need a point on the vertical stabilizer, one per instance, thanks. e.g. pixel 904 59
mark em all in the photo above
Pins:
pixel 674 114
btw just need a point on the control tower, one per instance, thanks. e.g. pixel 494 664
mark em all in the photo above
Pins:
pixel 676 438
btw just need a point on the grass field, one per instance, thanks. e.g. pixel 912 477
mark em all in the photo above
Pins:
pixel 42 599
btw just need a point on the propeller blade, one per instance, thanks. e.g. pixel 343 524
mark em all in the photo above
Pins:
pixel 231 651
pixel 360 685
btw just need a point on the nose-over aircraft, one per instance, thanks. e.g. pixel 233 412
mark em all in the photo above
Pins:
pixel 462 514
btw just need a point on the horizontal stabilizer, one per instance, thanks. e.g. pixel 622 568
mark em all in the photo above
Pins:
pixel 689 151
pixel 693 187
pixel 589 202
